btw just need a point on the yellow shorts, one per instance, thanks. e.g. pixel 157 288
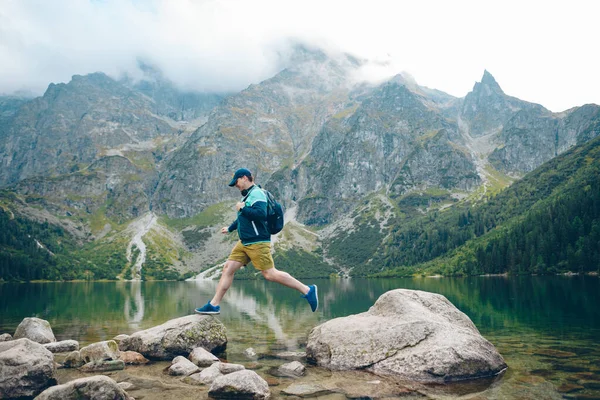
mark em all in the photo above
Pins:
pixel 258 253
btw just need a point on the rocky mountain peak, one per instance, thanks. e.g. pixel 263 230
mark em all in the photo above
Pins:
pixel 489 81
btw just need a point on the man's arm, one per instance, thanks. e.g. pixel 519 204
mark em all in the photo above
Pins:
pixel 255 212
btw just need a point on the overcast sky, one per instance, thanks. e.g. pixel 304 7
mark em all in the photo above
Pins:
pixel 539 51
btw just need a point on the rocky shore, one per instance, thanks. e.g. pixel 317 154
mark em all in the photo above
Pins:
pixel 407 340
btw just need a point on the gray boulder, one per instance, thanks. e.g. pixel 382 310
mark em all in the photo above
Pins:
pixel 409 334
pixel 100 351
pixel 243 384
pixel 35 329
pixel 178 337
pixel 62 346
pixel 26 369
pixel 98 387
pixel 5 337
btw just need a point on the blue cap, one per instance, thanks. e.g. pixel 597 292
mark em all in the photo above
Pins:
pixel 238 174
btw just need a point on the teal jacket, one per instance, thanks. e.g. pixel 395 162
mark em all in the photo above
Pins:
pixel 251 222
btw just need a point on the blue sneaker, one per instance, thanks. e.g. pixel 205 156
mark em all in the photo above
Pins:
pixel 208 309
pixel 312 297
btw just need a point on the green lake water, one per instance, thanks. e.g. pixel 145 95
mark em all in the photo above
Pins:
pixel 546 328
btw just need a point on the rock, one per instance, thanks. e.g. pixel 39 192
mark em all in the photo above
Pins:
pixel 178 337
pixel 250 353
pixel 103 366
pixel 120 338
pixel 73 360
pixel 62 346
pixel 35 329
pixel 293 369
pixel 5 337
pixel 228 368
pixel 240 385
pixel 409 334
pixel 133 358
pixel 26 368
pixel 98 387
pixel 182 367
pixel 101 351
pixel 306 390
pixel 126 385
pixel 202 358
pixel 207 375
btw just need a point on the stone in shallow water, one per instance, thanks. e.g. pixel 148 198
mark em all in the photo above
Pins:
pixel 26 368
pixel 409 334
pixel 306 390
pixel 554 353
pixel 62 346
pixel 240 385
pixel 35 329
pixel 569 388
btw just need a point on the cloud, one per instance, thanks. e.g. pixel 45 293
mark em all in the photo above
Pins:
pixel 538 51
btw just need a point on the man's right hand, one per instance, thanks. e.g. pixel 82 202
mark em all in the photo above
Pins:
pixel 225 229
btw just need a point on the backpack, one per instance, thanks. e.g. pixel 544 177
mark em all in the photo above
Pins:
pixel 274 214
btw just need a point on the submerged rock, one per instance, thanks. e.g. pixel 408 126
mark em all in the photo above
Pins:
pixel 26 369
pixel 95 387
pixel 409 334
pixel 178 337
pixel 35 329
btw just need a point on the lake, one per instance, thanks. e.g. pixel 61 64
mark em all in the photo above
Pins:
pixel 546 328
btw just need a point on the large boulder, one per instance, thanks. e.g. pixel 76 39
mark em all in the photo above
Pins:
pixel 26 369
pixel 98 387
pixel 38 330
pixel 409 334
pixel 178 337
pixel 243 384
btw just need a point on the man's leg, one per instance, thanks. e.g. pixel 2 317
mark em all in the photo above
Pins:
pixel 229 269
pixel 283 278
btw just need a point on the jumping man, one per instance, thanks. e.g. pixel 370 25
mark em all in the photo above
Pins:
pixel 254 245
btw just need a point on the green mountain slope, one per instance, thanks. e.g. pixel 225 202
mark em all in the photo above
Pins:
pixel 546 223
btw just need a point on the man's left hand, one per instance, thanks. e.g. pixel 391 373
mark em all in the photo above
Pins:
pixel 239 205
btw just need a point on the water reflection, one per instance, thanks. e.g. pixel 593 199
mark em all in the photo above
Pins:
pixel 134 305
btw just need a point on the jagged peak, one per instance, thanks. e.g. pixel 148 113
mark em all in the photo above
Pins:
pixel 488 80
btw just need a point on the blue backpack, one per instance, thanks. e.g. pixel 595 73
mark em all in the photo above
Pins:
pixel 274 214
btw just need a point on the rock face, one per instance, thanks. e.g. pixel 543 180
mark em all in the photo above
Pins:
pixel 409 334
pixel 178 337
pixel 26 369
pixel 35 329
pixel 95 387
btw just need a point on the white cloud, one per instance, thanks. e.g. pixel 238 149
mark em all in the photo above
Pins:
pixel 539 51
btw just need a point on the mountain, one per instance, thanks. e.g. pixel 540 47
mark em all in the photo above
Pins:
pixel 169 100
pixel 547 222
pixel 134 172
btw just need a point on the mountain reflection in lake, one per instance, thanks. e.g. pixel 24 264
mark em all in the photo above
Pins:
pixel 547 328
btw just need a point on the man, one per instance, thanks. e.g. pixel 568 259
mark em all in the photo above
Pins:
pixel 254 245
